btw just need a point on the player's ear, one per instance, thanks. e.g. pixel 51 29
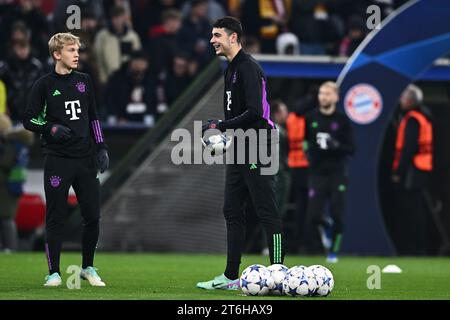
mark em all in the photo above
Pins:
pixel 233 38
pixel 56 55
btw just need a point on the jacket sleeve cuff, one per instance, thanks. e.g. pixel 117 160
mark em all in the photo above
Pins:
pixel 101 145
pixel 222 126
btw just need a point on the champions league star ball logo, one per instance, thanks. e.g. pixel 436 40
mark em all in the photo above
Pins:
pixel 363 103
pixel 81 87
pixel 55 181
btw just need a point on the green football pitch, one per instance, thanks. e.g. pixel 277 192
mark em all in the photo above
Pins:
pixel 173 276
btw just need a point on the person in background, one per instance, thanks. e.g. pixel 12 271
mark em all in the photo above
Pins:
pixel 163 41
pixel 19 33
pixel 312 22
pixel 19 73
pixel 265 20
pixel 279 115
pixel 329 143
pixel 114 44
pixel 356 34
pixel 411 169
pixel 195 33
pixel 29 15
pixel 298 165
pixel 287 44
pixel 125 4
pixel 89 28
pixel 148 15
pixel 130 92
pixel 179 78
pixel 215 10
pixel 14 145
pixel 59 15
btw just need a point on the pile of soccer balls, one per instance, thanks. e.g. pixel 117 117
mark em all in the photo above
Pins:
pixel 277 279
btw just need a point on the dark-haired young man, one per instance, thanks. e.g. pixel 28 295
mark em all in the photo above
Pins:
pixel 246 107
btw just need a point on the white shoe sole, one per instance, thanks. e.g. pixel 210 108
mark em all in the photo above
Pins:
pixel 52 284
pixel 93 282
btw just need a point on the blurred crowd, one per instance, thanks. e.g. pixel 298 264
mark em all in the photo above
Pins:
pixel 142 54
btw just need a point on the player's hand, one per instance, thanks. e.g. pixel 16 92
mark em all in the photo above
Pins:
pixel 210 124
pixel 333 144
pixel 103 160
pixel 60 132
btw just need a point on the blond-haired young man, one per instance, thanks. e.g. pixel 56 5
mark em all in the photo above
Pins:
pixel 62 109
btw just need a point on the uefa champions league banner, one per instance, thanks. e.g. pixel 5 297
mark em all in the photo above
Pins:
pixel 390 58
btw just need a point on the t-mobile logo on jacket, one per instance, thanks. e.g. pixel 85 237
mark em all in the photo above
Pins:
pixel 72 109
pixel 228 100
pixel 322 140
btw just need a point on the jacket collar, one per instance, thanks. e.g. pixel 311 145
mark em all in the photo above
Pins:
pixel 240 55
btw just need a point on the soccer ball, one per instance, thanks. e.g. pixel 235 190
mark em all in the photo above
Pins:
pixel 217 144
pixel 297 268
pixel 278 273
pixel 299 281
pixel 324 278
pixel 256 280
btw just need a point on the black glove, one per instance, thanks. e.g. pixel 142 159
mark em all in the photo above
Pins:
pixel 210 124
pixel 102 159
pixel 60 132
pixel 333 144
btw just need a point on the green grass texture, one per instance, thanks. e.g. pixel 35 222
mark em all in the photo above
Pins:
pixel 174 277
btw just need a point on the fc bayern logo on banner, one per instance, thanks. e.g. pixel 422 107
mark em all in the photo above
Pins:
pixel 363 103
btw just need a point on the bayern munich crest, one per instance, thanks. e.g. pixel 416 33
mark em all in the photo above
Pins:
pixel 363 103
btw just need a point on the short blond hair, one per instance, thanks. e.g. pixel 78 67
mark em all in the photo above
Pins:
pixel 332 85
pixel 59 40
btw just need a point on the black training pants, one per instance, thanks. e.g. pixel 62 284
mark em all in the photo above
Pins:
pixel 243 182
pixel 327 189
pixel 59 175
